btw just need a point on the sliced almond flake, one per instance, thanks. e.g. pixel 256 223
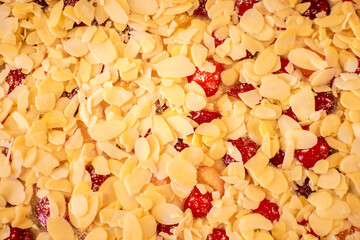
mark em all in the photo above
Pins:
pixel 135 181
pixel 194 101
pixel 116 11
pixel 104 52
pixel 265 61
pixel 132 229
pixel 45 163
pixel 174 94
pixel 85 11
pixel 167 213
pixel 79 205
pixel 132 49
pixel 329 180
pixel 24 62
pixel 321 200
pixel 302 103
pixel 180 125
pixel 302 139
pixel 142 149
pixel 12 190
pixel 208 129
pixel 111 150
pixel 55 14
pixel 330 125
pixel 59 229
pixel 350 163
pixel 221 214
pixel 252 21
pixel 352 84
pixel 254 221
pixel 75 47
pixel 350 100
pixel 321 226
pixel 322 77
pixel 279 185
pixel 181 172
pixel 97 233
pixel 251 98
pixel 43 30
pixel 304 58
pixel 128 202
pixel 273 87
pixel 149 7
pixel 106 130
pixel 199 54
pixel 175 67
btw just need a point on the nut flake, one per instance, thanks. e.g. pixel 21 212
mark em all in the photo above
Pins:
pixel 274 87
pixel 304 58
pixel 167 213
pixel 175 67
pixel 107 130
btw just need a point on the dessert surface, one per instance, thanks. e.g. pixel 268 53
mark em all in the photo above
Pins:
pixel 180 119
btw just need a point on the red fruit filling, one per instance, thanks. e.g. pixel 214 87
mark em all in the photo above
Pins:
pixel 218 42
pixel 42 210
pixel 305 189
pixel 325 101
pixel 316 6
pixel 41 3
pixel 289 112
pixel 268 209
pixel 246 147
pixel 209 81
pixel 20 234
pixel 14 79
pixel 241 6
pixel 204 116
pixel 199 204
pixel 180 145
pixel 217 234
pixel 70 2
pixel 277 159
pixel 201 10
pixel 71 94
pixel 240 88
pixel 160 108
pixel 96 179
pixel 305 224
pixel 165 228
pixel 308 157
pixel 283 64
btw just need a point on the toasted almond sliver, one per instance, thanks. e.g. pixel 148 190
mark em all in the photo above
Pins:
pixel 285 42
pixel 167 213
pixel 132 228
pixel 104 52
pixel 97 234
pixel 79 205
pixel 175 67
pixel 265 62
pixel 274 87
pixel 303 58
pixel 303 103
pixel 148 7
pixel 350 100
pixel 255 221
pixel 252 21
pixel 321 226
pixel 116 11
pixel 180 125
pixel 107 130
pixel 321 200
pixel 181 172
pixel 12 190
pixel 59 229
pixel 303 139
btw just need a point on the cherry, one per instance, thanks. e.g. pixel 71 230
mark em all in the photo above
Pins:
pixel 160 108
pixel 199 204
pixel 324 101
pixel 42 210
pixel 304 190
pixel 71 94
pixel 70 2
pixel 358 67
pixel 42 3
pixel 180 145
pixel 166 228
pixel 209 81
pixel 218 42
pixel 246 147
pixel 241 6
pixel 316 6
pixel 217 234
pixel 308 157
pixel 283 64
pixel 305 223
pixel 14 79
pixel 96 179
pixel 147 133
pixel 278 158
pixel 240 88
pixel 289 112
pixel 201 10
pixel 268 209
pixel 204 116
pixel 20 234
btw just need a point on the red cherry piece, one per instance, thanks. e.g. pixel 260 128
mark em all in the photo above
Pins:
pixel 71 94
pixel 209 81
pixel 240 88
pixel 70 2
pixel 160 108
pixel 308 157
pixel 180 145
pixel 166 228
pixel 305 224
pixel 218 42
pixel 147 133
pixel 325 101
pixel 217 234
pixel 20 234
pixel 304 190
pixel 199 204
pixel 14 79
pixel 204 116
pixel 289 112
pixel 246 147
pixel 283 64
pixel 331 83
pixel 268 209
pixel 96 179
pixel 42 210
pixel 277 159
pixel 316 6
pixel 201 10
pixel 242 6
pixel 42 3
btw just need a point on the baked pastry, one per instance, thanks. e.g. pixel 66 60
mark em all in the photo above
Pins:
pixel 180 119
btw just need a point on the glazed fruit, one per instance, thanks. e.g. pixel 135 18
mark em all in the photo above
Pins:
pixel 20 234
pixel 201 10
pixel 96 179
pixel 283 64
pixel 209 81
pixel 240 88
pixel 246 147
pixel 42 210
pixel 165 228
pixel 70 2
pixel 160 108
pixel 305 189
pixel 218 234
pixel 204 116
pixel 305 223
pixel 71 94
pixel 277 159
pixel 241 6
pixel 180 145
pixel 218 42
pixel 308 157
pixel 325 101
pixel 289 112
pixel 269 210
pixel 199 204
pixel 316 7
pixel 14 79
